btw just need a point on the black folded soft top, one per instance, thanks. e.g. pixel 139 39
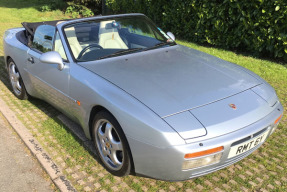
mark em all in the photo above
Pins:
pixel 27 35
pixel 31 27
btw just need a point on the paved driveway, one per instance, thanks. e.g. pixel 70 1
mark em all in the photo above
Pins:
pixel 19 170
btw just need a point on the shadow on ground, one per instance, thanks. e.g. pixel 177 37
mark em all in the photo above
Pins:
pixel 51 112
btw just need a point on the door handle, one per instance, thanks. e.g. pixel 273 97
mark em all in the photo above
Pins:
pixel 31 60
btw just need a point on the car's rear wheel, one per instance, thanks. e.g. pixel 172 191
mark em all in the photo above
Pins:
pixel 111 144
pixel 16 81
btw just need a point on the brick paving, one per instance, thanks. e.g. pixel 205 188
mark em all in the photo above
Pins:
pixel 264 170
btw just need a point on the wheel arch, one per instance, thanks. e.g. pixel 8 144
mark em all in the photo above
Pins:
pixel 96 109
pixel 7 59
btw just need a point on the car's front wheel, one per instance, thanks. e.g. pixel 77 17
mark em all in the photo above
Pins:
pixel 16 81
pixel 111 144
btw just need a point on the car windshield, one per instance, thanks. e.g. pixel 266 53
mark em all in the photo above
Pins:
pixel 99 39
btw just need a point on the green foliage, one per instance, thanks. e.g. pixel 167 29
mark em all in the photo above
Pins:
pixel 258 27
pixel 51 5
pixel 45 8
pixel 93 5
pixel 77 10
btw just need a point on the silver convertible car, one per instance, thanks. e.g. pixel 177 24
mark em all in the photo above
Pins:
pixel 152 107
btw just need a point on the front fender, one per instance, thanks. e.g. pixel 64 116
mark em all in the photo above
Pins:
pixel 136 119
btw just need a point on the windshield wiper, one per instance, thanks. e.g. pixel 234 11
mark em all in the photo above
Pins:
pixel 159 45
pixel 122 52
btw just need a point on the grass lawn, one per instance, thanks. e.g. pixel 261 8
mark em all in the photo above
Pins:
pixel 265 169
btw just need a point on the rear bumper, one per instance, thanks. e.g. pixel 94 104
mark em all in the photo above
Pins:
pixel 166 163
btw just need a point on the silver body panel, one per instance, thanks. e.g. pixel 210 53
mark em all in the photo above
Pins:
pixel 167 101
pixel 169 160
pixel 179 78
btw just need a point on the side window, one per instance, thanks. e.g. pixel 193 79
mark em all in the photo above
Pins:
pixel 59 46
pixel 44 38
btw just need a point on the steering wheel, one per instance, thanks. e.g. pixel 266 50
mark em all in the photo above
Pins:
pixel 88 47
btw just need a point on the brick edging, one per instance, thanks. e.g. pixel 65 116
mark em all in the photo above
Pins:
pixel 52 169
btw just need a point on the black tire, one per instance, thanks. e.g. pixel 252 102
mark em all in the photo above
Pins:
pixel 16 81
pixel 111 144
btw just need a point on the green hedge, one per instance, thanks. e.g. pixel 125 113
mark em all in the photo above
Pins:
pixel 258 27
pixel 75 8
pixel 93 5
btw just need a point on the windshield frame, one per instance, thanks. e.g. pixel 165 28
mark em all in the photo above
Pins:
pixel 105 18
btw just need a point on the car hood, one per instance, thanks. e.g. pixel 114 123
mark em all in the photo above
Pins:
pixel 174 79
pixel 224 116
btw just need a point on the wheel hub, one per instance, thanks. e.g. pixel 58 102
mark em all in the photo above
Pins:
pixel 108 145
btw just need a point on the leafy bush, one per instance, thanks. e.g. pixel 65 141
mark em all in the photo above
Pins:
pixel 93 5
pixel 77 10
pixel 45 8
pixel 51 5
pixel 258 27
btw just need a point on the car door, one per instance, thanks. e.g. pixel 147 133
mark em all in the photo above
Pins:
pixel 50 83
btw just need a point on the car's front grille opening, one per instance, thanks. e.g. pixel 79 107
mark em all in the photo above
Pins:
pixel 241 141
pixel 259 132
pixel 249 137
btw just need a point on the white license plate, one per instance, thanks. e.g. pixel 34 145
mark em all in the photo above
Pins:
pixel 247 145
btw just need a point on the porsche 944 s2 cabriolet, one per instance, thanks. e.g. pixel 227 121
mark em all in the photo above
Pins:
pixel 152 107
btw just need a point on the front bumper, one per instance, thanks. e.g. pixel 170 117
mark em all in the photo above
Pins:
pixel 166 163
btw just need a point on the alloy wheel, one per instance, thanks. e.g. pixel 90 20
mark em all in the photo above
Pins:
pixel 109 145
pixel 15 78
